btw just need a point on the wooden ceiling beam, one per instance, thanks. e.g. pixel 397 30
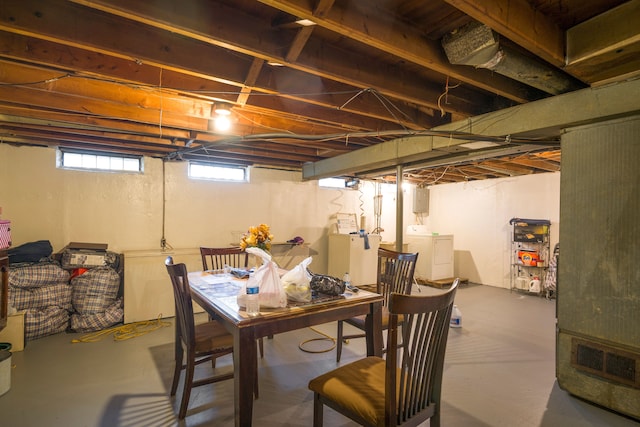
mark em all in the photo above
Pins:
pixel 532 161
pixel 141 104
pixel 85 135
pixel 258 39
pixel 80 105
pixel 246 156
pixel 606 46
pixel 32 115
pixel 503 167
pixel 339 96
pixel 147 99
pixel 380 30
pixel 87 63
pixel 63 136
pixel 477 171
pixel 271 81
pixel 252 77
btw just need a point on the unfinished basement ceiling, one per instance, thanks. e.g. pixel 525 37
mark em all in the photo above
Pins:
pixel 141 77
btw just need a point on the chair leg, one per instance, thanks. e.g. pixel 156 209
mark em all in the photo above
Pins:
pixel 434 421
pixel 318 407
pixel 261 347
pixel 188 385
pixel 339 341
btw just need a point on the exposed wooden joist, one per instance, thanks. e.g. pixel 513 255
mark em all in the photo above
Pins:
pixel 286 83
pixel 252 77
pixel 381 31
pixel 36 116
pixel 317 59
pixel 606 46
pixel 260 40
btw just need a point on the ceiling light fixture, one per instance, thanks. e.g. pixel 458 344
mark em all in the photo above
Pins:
pixel 477 145
pixel 305 22
pixel 220 117
pixel 221 109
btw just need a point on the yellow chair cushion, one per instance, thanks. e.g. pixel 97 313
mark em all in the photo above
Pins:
pixel 358 387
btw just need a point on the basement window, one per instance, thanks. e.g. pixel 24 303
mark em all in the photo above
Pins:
pixel 348 183
pixel 332 183
pixel 218 172
pixel 98 161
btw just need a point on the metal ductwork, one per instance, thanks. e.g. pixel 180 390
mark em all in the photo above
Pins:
pixel 477 45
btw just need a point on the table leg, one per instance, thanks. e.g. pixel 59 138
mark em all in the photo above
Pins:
pixel 244 365
pixel 373 327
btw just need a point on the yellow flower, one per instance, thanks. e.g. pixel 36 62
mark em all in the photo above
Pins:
pixel 259 237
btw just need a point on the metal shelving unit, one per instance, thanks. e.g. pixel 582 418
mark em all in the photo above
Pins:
pixel 530 254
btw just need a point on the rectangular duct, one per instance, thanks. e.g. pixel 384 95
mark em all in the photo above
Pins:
pixel 476 44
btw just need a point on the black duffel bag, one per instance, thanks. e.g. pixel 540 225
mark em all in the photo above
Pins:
pixel 30 252
pixel 327 285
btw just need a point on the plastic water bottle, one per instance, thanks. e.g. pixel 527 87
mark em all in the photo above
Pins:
pixel 347 280
pixel 456 318
pixel 252 301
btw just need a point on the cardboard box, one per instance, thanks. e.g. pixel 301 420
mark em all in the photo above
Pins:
pixel 83 255
pixel 101 247
pixel 14 331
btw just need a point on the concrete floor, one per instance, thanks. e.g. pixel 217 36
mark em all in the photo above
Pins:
pixel 499 371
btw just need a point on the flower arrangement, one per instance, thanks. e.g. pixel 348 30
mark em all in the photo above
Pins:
pixel 258 237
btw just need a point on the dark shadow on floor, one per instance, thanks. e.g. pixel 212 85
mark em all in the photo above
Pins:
pixel 564 409
pixel 138 410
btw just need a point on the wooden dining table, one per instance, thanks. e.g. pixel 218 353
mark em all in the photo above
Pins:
pixel 216 293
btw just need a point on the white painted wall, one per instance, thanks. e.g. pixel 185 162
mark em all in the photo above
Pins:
pixel 477 213
pixel 125 210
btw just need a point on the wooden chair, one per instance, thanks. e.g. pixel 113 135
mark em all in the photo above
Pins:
pixel 217 258
pixel 395 274
pixel 404 389
pixel 233 256
pixel 200 343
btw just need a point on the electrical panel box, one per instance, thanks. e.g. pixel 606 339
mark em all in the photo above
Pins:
pixel 421 200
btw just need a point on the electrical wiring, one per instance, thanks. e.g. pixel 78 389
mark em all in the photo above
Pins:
pixel 445 95
pixel 124 332
pixel 324 337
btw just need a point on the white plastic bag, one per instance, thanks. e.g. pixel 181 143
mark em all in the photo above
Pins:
pixel 271 292
pixel 295 282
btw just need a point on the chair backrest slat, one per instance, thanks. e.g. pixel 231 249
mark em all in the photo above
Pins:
pixel 183 304
pixel 395 272
pixel 415 361
pixel 217 258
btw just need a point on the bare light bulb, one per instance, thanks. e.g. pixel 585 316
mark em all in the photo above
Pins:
pixel 222 123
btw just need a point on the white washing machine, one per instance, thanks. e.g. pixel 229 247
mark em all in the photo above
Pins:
pixel 435 253
pixel 347 253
